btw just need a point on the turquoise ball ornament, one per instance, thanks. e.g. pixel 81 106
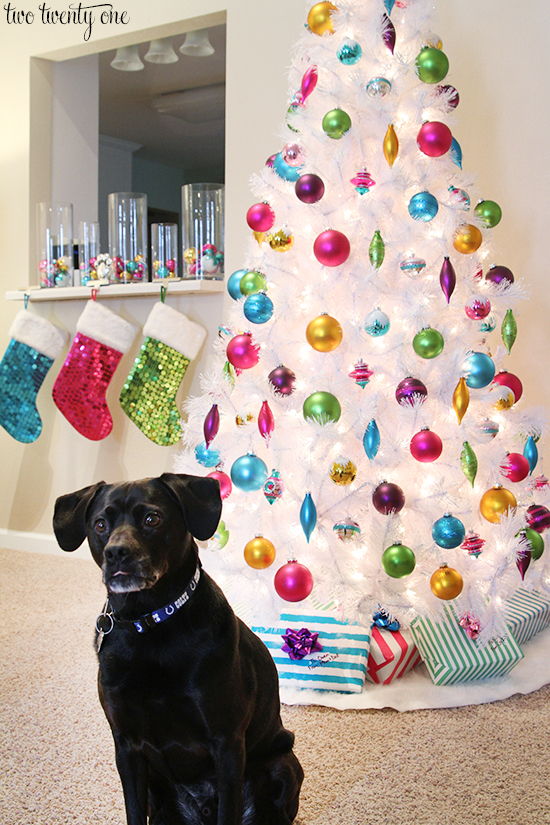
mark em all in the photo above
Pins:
pixel 322 406
pixel 423 207
pixel 432 65
pixel 349 52
pixel 234 284
pixel 336 123
pixel 207 456
pixel 428 343
pixel 258 308
pixel 249 473
pixel 398 560
pixel 284 170
pixel 448 532
pixel 479 369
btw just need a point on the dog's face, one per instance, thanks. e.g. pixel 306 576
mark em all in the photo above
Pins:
pixel 138 530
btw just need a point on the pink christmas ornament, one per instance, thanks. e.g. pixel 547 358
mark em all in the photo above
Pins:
pixel 426 446
pixel 361 374
pixel 266 422
pixel 508 379
pixel 473 543
pixel 515 467
pixel 293 582
pixel 447 278
pixel 225 482
pixel 309 82
pixel 331 248
pixel 477 307
pixel 523 561
pixel 434 138
pixel 211 425
pixel 293 155
pixel 242 353
pixel 260 217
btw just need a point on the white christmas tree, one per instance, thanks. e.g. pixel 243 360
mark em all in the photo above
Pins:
pixel 358 412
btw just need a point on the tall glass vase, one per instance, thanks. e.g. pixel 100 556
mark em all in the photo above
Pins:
pixel 128 236
pixel 203 230
pixel 55 244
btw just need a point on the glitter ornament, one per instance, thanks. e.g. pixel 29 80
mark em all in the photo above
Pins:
pixel 480 370
pixel 473 544
pixel 331 248
pixel 448 532
pixel 336 123
pixel 432 65
pixel 343 472
pixel 446 583
pixel 508 379
pixel 34 345
pixel 224 481
pixel 259 553
pixel 488 213
pixel 388 498
pixel 280 241
pixel 505 397
pixel 346 530
pixel 468 462
pixel 515 467
pixel 309 188
pixel 499 274
pixel 308 516
pixel 426 446
pixel 322 407
pixel 371 440
pixel 283 380
pixel 538 517
pixel 391 145
pixel 207 457
pixel 242 353
pixel 378 87
pixel 274 487
pixel 377 323
pixel 319 18
pixel 293 582
pixel 260 217
pixel 324 333
pixel 211 425
pixel 362 182
pixel 509 330
pixel 251 282
pixel 249 473
pixel 461 399
pixel 361 374
pixel 258 308
pixel 447 278
pixel 531 453
pixel 398 560
pixel 413 267
pixel 434 138
pixel 411 392
pixel 80 387
pixel 349 52
pixel 496 502
pixel 477 307
pixel 377 250
pixel 428 343
pixel 467 239
pixel 423 207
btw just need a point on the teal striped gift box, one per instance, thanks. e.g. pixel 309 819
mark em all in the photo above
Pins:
pixel 451 657
pixel 526 614
pixel 341 665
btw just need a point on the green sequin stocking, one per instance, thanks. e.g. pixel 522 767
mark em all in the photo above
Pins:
pixel 148 396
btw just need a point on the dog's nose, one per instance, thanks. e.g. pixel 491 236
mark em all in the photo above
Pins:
pixel 116 552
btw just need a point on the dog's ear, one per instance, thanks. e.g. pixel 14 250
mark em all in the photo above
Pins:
pixel 69 517
pixel 200 500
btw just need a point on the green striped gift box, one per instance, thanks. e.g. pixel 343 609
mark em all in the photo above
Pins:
pixel 451 657
pixel 526 614
pixel 340 666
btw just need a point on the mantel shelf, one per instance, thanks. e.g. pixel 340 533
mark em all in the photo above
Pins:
pixel 72 293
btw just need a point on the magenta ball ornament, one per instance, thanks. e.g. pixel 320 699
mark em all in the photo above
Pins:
pixel 283 380
pixel 434 138
pixel 331 248
pixel 426 446
pixel 293 582
pixel 410 391
pixel 309 188
pixel 477 307
pixel 260 217
pixel 515 467
pixel 508 379
pixel 242 352
pixel 388 498
pixel 225 482
pixel 499 274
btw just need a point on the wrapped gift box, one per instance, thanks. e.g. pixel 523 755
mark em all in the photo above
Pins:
pixel 392 654
pixel 527 613
pixel 341 665
pixel 451 657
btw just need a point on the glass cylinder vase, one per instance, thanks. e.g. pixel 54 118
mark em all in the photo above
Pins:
pixel 128 236
pixel 164 250
pixel 88 251
pixel 203 230
pixel 55 244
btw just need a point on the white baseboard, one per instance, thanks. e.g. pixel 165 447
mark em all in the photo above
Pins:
pixel 38 543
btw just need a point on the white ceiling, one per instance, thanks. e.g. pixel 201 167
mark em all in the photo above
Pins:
pixel 180 138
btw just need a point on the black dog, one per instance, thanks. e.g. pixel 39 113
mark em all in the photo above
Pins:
pixel 190 692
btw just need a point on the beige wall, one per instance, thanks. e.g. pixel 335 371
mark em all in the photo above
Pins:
pixel 499 63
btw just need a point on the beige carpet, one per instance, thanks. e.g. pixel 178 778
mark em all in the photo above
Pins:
pixel 475 765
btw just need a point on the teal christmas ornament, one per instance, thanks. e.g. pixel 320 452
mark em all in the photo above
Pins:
pixel 531 453
pixel 371 439
pixel 234 284
pixel 207 456
pixel 286 172
pixel 455 153
pixel 389 4
pixel 308 516
pixel 377 323
pixel 349 52
pixel 423 206
pixel 448 532
pixel 258 308
pixel 378 87
pixel 249 473
pixel 479 369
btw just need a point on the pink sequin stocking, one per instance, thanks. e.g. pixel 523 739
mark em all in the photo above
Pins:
pixel 79 389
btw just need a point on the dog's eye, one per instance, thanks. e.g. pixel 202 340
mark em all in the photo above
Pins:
pixel 100 525
pixel 152 520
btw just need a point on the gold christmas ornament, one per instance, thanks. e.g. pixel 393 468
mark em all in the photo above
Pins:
pixel 190 255
pixel 505 397
pixel 391 145
pixel 461 399
pixel 495 502
pixel 318 19
pixel 259 553
pixel 446 583
pixel 324 333
pixel 246 418
pixel 343 472
pixel 467 239
pixel 280 241
pixel 259 236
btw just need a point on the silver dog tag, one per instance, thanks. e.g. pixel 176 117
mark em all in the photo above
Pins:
pixel 103 624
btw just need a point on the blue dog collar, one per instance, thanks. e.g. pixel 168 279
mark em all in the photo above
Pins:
pixel 106 621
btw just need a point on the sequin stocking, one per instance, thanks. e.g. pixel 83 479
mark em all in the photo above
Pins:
pixel 22 372
pixel 148 396
pixel 80 388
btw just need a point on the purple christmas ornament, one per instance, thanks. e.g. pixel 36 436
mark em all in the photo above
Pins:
pixel 447 278
pixel 211 425
pixel 523 561
pixel 411 391
pixel 388 32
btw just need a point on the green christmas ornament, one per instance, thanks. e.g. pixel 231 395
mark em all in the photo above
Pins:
pixel 336 123
pixel 432 65
pixel 398 560
pixel 536 542
pixel 428 343
pixel 377 250
pixel 489 213
pixel 509 330
pixel 252 282
pixel 323 407
pixel 468 462
pixel 229 372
